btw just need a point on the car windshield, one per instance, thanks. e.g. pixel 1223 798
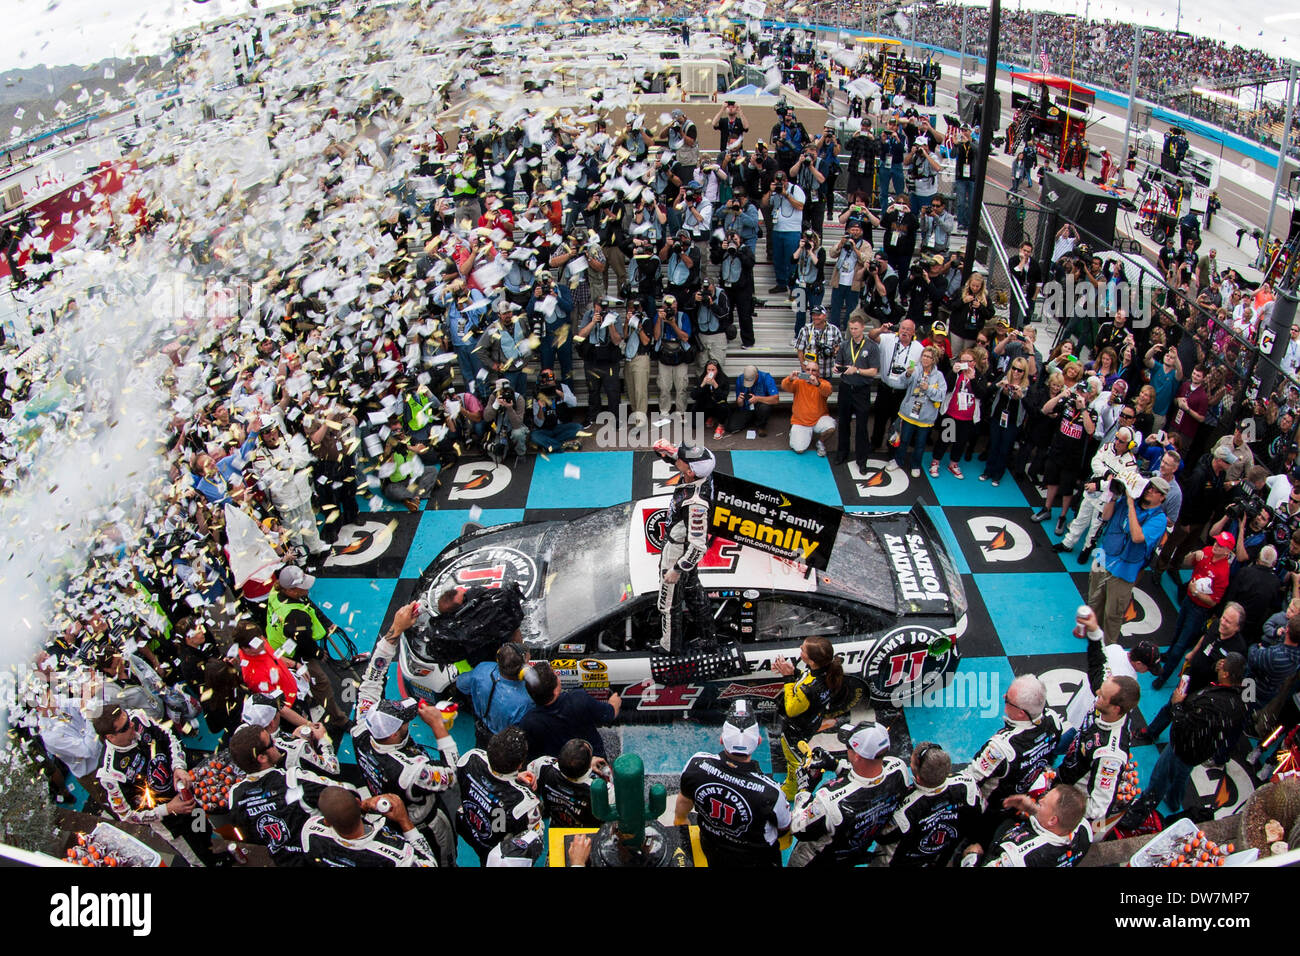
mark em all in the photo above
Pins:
pixel 859 566
pixel 587 570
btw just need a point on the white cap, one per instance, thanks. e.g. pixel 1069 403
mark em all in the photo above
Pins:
pixel 870 742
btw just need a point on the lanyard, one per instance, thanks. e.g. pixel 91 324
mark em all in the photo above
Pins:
pixel 853 355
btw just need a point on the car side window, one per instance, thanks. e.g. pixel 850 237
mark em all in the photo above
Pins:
pixel 781 619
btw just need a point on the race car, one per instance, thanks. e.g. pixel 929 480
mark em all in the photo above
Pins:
pixel 890 599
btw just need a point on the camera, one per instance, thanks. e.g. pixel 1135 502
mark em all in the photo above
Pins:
pixel 1117 486
pixel 507 392
pixel 1246 507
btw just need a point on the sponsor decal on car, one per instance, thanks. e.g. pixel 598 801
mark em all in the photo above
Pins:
pixel 650 695
pixel 918 579
pixel 493 566
pixel 896 667
pixel 769 691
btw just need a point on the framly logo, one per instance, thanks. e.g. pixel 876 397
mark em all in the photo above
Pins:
pixel 615 432
pixel 84 910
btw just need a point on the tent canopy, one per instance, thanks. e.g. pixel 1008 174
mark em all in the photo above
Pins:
pixel 1056 83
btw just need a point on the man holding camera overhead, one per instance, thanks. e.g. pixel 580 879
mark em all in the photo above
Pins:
pixel 1134 523
pixel 786 201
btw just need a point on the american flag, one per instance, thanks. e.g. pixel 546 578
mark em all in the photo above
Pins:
pixel 1042 58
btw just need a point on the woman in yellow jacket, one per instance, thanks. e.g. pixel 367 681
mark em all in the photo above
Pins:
pixel 805 700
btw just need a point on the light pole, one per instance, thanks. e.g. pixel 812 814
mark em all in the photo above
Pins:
pixel 1281 156
pixel 962 69
pixel 986 136
pixel 1132 97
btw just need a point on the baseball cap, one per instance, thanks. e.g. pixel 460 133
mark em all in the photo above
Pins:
pixel 869 740
pixel 817 310
pixel 1225 454
pixel 1146 653
pixel 387 717
pixel 1226 539
pixel 741 734
pixel 260 709
pixel 750 375
pixel 292 577
pixel 1159 484
pixel 939 328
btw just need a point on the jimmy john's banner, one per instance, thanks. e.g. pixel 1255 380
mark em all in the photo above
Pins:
pixel 773 521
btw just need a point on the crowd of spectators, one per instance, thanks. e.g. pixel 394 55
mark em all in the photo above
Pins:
pixel 414 293
pixel 1096 51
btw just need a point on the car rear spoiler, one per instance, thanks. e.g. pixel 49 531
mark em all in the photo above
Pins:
pixel 952 578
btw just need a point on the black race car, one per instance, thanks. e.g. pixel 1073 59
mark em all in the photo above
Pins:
pixel 890 599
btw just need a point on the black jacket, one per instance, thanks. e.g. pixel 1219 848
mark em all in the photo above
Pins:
pixel 1206 723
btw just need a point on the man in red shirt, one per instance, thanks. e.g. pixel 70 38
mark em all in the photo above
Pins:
pixel 1210 568
pixel 1191 407
pixel 262 670
pixel 496 216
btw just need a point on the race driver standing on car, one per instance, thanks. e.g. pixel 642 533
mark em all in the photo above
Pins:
pixel 741 811
pixel 837 825
pixel 390 761
pixel 686 540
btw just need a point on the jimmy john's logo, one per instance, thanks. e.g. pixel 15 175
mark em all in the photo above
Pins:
pixel 479 479
pixel 1000 539
pixel 914 568
pixel 361 543
pixel 491 567
pixel 876 481
pixel 906 661
pixel 656 528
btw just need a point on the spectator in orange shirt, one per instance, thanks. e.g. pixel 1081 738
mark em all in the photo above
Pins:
pixel 810 416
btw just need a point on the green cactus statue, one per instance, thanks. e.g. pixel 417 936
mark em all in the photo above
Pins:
pixel 627 821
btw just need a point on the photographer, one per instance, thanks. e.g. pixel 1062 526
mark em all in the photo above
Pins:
pixel 862 163
pixel 736 272
pixel 760 173
pixel 756 393
pixel 681 266
pixel 547 314
pixel 809 278
pixel 1075 426
pixel 552 429
pixel 1203 496
pixel 789 137
pixel 601 345
pixel 709 397
pixel 892 149
pixel 805 700
pixel 961 413
pixel 508 404
pixel 1113 458
pixel 786 202
pixel 971 312
pixel 732 126
pixel 899 355
pixel 741 216
pixel 505 346
pixel 1130 534
pixel 937 225
pixel 644 274
pixel 672 344
pixel 810 415
pixel 1250 520
pixel 850 253
pixel 403 476
pixel 879 293
pixel 901 226
pixel 809 177
pixel 923 169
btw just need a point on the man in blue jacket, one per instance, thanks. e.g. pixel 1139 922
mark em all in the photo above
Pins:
pixel 1131 533
pixel 497 692
pixel 756 393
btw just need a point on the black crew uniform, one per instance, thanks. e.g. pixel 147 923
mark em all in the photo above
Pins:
pixel 377 847
pixel 492 806
pixel 740 810
pixel 931 823
pixel 565 802
pixel 838 824
pixel 1010 763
